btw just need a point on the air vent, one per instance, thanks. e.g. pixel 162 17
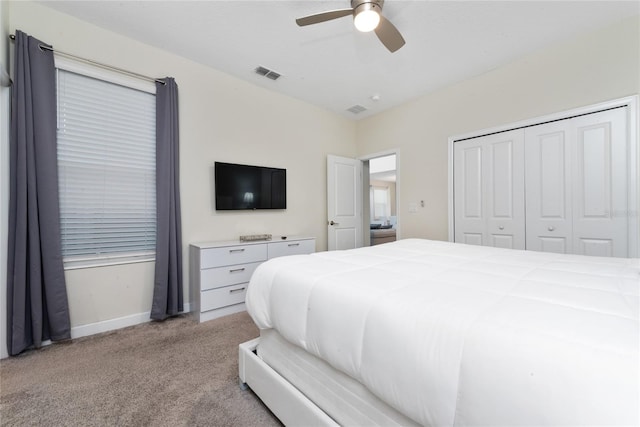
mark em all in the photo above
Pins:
pixel 270 74
pixel 356 109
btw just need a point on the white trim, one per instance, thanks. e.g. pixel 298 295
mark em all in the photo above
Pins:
pixel 629 101
pixel 78 264
pixel 96 72
pixel 633 199
pixel 383 153
pixel 113 324
pixel 633 149
pixel 110 325
pixel 450 213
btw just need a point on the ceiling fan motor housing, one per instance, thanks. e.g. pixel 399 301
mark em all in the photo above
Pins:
pixel 362 5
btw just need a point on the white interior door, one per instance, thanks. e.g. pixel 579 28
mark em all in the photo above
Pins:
pixel 489 190
pixel 344 203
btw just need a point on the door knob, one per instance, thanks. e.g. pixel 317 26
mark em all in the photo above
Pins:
pixel 501 227
pixel 551 228
pixel 333 223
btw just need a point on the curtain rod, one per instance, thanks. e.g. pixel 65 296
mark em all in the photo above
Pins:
pixel 99 64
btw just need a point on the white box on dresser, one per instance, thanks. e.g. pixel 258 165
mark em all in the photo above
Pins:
pixel 219 272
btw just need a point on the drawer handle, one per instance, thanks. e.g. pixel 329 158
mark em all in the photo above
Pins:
pixel 235 270
pixel 233 291
pixel 294 244
pixel 236 250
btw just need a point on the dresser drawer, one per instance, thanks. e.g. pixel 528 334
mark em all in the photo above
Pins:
pixel 212 278
pixel 232 255
pixel 294 247
pixel 222 297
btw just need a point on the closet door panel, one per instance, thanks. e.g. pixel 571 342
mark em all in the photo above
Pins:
pixel 595 247
pixel 471 238
pixel 489 190
pixel 553 173
pixel 600 184
pixel 548 188
pixel 468 193
pixel 472 182
pixel 552 244
pixel 505 189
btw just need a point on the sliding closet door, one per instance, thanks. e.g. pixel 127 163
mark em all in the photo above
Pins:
pixel 548 180
pixel 576 181
pixel 468 194
pixel 489 190
pixel 600 184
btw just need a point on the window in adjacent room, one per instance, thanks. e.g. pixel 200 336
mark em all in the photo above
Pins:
pixel 381 206
pixel 382 193
pixel 106 164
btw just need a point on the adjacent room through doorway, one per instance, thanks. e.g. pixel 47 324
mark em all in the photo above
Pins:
pixel 383 218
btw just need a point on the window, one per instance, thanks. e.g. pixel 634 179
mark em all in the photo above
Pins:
pixel 106 166
pixel 380 201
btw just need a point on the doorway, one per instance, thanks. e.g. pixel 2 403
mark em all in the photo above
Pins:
pixel 362 205
pixel 381 192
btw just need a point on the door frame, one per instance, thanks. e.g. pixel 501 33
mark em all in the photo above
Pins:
pixel 366 214
pixel 633 146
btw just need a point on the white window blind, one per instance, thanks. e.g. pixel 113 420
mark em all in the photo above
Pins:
pixel 380 200
pixel 106 164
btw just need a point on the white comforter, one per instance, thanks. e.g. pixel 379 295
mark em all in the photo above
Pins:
pixel 451 334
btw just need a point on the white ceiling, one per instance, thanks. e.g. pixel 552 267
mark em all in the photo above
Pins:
pixel 334 66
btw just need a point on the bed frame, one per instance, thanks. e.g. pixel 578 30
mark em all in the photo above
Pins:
pixel 283 399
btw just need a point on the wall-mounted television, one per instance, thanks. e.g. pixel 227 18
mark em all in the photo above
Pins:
pixel 245 187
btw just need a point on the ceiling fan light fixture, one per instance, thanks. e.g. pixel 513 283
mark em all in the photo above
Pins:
pixel 366 18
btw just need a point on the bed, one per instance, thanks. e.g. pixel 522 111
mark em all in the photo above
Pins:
pixel 419 332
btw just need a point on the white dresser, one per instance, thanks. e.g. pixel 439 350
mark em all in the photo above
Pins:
pixel 219 272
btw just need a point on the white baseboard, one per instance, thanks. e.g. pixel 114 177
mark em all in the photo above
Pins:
pixel 105 326
pixel 113 324
pixel 109 325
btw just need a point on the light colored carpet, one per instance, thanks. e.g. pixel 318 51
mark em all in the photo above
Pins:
pixel 172 373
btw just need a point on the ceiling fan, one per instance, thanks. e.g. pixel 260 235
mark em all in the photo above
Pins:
pixel 367 16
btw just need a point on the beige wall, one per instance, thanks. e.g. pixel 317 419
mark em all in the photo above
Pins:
pixel 594 68
pixel 4 171
pixel 221 118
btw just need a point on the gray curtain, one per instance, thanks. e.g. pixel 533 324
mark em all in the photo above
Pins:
pixel 167 290
pixel 37 307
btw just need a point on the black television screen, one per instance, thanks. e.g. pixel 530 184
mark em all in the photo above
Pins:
pixel 239 187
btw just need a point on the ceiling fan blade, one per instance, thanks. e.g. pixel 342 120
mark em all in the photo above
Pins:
pixel 389 35
pixel 324 16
